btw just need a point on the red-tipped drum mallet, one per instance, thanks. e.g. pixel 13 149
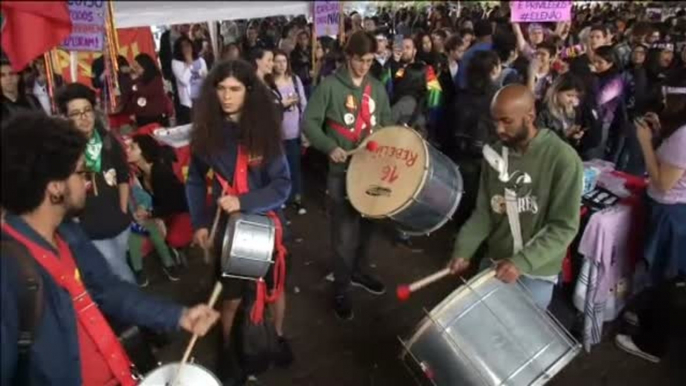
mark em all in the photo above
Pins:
pixel 370 146
pixel 404 291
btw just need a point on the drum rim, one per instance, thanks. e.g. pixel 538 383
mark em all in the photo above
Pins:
pixel 177 363
pixel 419 188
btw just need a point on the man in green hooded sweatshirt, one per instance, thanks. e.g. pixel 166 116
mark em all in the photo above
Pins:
pixel 528 203
pixel 345 109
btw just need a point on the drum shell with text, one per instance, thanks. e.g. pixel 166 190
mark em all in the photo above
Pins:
pixel 247 246
pixel 191 375
pixel 488 333
pixel 406 180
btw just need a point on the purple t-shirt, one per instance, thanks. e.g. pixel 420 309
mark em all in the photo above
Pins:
pixel 290 125
pixel 673 152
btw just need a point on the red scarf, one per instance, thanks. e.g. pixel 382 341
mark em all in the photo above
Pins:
pixel 103 359
pixel 240 180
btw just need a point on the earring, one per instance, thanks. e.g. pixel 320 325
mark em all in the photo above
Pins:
pixel 56 199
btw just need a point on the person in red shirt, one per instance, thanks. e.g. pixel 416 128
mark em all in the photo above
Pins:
pixel 56 286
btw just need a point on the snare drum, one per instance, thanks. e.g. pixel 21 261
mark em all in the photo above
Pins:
pixel 404 179
pixel 247 248
pixel 488 333
pixel 191 375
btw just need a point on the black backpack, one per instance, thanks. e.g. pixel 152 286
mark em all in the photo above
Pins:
pixel 30 303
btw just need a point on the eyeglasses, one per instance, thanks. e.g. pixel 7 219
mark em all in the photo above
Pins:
pixel 85 174
pixel 80 114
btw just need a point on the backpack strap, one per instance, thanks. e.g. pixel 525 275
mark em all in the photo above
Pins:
pixel 30 300
pixel 294 79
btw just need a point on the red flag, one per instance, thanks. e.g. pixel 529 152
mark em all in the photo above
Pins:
pixel 30 28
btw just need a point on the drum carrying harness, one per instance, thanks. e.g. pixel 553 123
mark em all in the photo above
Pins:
pixel 240 187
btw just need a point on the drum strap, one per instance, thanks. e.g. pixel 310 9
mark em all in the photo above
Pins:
pixel 241 187
pixel 91 323
pixel 362 122
pixel 500 163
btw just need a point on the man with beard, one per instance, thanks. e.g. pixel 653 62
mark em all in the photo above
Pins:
pixel 527 208
pixel 409 86
pixel 56 286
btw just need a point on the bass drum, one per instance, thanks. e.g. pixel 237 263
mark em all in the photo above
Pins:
pixel 191 375
pixel 488 333
pixel 404 179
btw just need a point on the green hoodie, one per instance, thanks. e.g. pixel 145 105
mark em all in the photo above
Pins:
pixel 328 102
pixel 548 207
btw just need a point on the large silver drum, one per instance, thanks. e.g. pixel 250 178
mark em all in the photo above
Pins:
pixel 191 375
pixel 406 180
pixel 248 246
pixel 488 333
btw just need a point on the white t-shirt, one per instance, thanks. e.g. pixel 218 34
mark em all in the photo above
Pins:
pixel 189 79
pixel 41 93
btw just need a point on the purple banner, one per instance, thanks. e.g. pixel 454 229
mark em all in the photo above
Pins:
pixel 88 21
pixel 326 18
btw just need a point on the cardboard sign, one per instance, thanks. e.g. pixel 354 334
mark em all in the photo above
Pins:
pixel 326 18
pixel 540 11
pixel 88 25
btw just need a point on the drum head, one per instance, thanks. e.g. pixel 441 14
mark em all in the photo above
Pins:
pixel 191 375
pixel 382 182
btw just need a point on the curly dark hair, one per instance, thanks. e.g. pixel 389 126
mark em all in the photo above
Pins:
pixel 260 121
pixel 73 91
pixel 36 150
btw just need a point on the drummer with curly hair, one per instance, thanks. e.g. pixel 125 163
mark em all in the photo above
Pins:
pixel 237 135
pixel 345 109
pixel 528 203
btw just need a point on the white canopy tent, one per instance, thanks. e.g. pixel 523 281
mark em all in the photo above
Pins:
pixel 148 13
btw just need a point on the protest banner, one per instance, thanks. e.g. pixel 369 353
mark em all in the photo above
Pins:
pixel 540 11
pixel 326 18
pixel 132 41
pixel 88 25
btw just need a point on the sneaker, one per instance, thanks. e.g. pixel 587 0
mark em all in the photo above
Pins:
pixel 300 208
pixel 343 307
pixel 284 356
pixel 172 272
pixel 369 283
pixel 141 278
pixel 627 344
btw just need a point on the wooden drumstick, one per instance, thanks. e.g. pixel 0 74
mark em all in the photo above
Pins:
pixel 210 240
pixel 403 291
pixel 213 299
pixel 371 146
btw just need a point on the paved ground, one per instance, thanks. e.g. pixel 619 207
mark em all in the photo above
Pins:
pixel 364 352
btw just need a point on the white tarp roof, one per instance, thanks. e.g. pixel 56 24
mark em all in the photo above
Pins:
pixel 148 13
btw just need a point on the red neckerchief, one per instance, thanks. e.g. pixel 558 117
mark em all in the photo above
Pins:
pixel 64 271
pixel 362 122
pixel 240 187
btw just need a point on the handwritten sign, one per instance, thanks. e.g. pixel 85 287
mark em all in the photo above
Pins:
pixel 326 17
pixel 540 11
pixel 88 21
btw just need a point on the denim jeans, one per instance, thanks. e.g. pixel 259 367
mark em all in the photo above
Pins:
pixel 351 235
pixel 541 291
pixel 293 155
pixel 114 251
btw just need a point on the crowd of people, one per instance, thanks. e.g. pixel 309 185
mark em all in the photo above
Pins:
pixel 539 98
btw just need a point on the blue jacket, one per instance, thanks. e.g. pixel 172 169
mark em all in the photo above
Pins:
pixel 54 356
pixel 269 184
pixel 461 76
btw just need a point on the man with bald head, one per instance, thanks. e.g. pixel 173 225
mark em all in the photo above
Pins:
pixel 527 207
